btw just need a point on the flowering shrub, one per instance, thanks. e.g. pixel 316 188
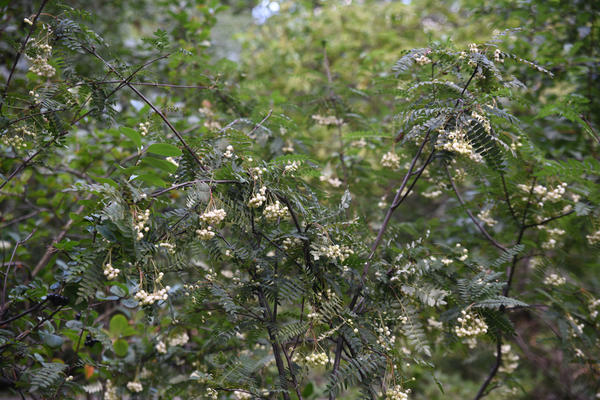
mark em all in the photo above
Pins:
pixel 175 225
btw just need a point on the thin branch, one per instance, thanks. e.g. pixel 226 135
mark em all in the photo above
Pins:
pixel 549 219
pixel 189 183
pixel 154 108
pixel 475 221
pixel 20 52
pixel 261 122
pixel 507 197
pixel 493 371
pixel 10 263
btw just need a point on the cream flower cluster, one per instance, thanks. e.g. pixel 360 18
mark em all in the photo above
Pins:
pixel 593 238
pixel 385 338
pixel 554 234
pixel 290 242
pixel 288 148
pixel 110 392
pixel 470 325
pixel 257 172
pixel 316 359
pixel 396 393
pixel 292 167
pixel 259 198
pixel 498 56
pixel 213 217
pixel 594 307
pixel 144 128
pixel 551 195
pixel 205 233
pixel 482 120
pixel 274 211
pixel 110 272
pixel 229 152
pixel 140 226
pixel 134 387
pixel 332 251
pixel 510 360
pixel 146 298
pixel 168 246
pixel 161 347
pixel 422 59
pixel 212 394
pixel 332 180
pixel 39 63
pixel 555 280
pixel 329 120
pixel 455 141
pixel 433 194
pixel 239 395
pixel 390 160
pixel 486 218
pixel 179 340
pixel 473 48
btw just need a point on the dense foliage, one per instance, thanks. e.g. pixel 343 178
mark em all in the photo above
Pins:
pixel 375 200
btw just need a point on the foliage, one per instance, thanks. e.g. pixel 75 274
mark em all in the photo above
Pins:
pixel 374 194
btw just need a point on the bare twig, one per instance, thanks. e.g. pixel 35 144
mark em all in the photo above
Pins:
pixel 475 221
pixel 10 263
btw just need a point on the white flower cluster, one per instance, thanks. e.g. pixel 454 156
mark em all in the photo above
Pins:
pixel 239 395
pixel 290 242
pixel 288 148
pixel 146 298
pixel 546 194
pixel 390 160
pixel 292 167
pixel 18 141
pixel 179 340
pixel 161 347
pixel 172 161
pixel 422 59
pixel 213 217
pixel 228 152
pixel 554 234
pixel 110 272
pixel 274 211
pixel 144 128
pixel 331 251
pixel 510 360
pixel 39 63
pixel 473 48
pixel 313 316
pixel 396 393
pixel 486 218
pixel 455 141
pixel 332 180
pixel 470 325
pixel 316 359
pixel 594 307
pixel 259 198
pixel 28 21
pixel 140 227
pixel 110 393
pixel 385 338
pixel 168 246
pixel 36 96
pixel 434 323
pixel 205 233
pixel 212 394
pixel 555 280
pixel 593 238
pixel 482 120
pixel 257 172
pixel 498 56
pixel 134 387
pixel 434 194
pixel 329 120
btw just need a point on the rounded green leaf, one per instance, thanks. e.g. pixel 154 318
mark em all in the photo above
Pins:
pixel 118 325
pixel 121 346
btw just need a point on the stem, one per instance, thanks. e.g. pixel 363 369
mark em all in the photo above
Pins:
pixel 493 371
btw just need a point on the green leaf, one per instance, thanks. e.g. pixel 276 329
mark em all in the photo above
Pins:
pixel 164 149
pixel 105 180
pixel 121 346
pixel 152 180
pixel 132 134
pixel 51 339
pixel 118 324
pixel 163 165
pixel 308 390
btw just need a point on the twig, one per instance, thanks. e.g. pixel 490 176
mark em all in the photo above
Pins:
pixel 261 122
pixel 20 52
pixel 549 219
pixel 154 108
pixel 10 263
pixel 507 197
pixel 493 371
pixel 477 223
